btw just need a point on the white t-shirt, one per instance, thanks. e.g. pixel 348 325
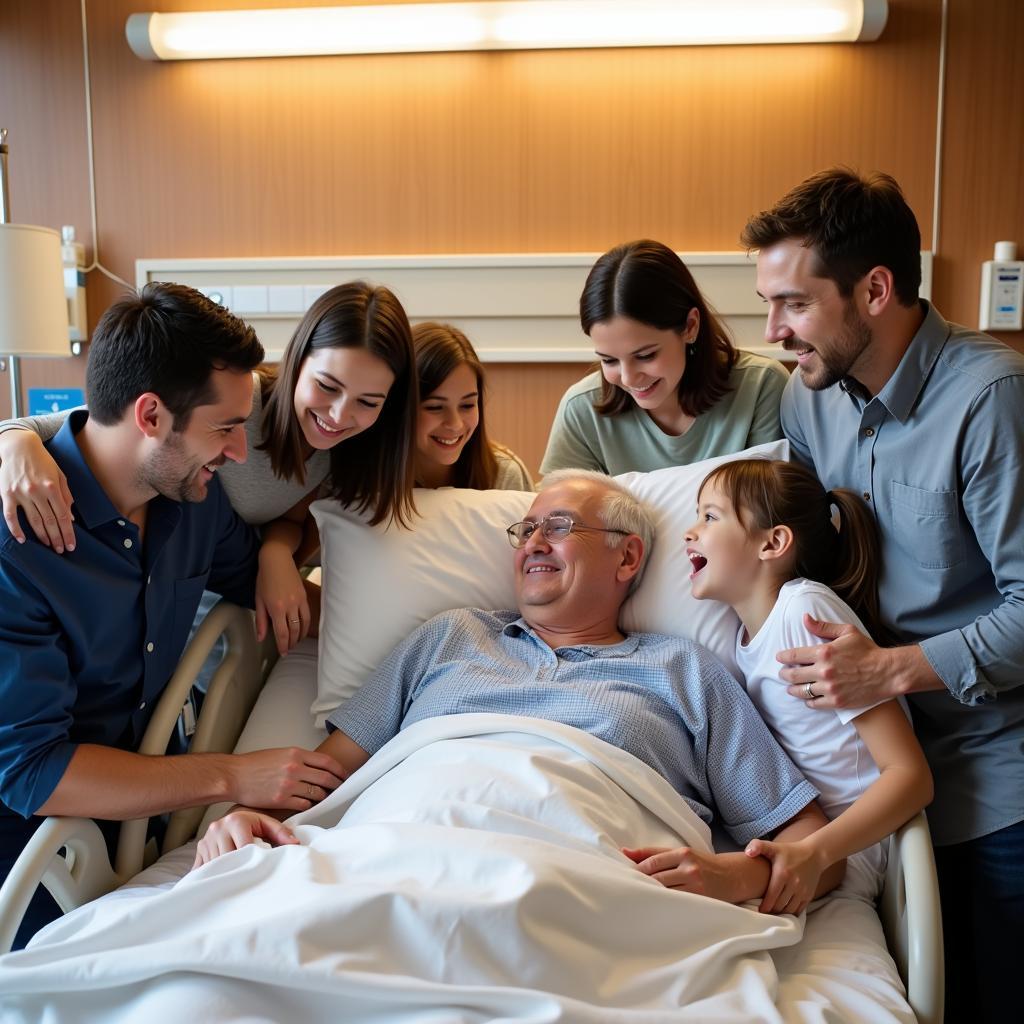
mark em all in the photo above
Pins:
pixel 824 745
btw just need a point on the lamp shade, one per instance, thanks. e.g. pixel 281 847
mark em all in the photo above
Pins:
pixel 33 307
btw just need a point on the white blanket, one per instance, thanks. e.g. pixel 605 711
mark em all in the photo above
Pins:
pixel 475 876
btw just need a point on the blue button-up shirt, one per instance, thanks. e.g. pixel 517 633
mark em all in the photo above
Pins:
pixel 665 700
pixel 89 639
pixel 938 454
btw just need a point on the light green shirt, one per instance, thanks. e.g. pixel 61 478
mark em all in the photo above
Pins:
pixel 747 415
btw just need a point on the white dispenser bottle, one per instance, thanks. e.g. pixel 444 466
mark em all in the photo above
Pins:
pixel 1002 290
pixel 73 256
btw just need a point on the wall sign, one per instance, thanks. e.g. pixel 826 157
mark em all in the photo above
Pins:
pixel 45 400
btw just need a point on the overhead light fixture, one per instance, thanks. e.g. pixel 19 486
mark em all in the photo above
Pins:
pixel 513 25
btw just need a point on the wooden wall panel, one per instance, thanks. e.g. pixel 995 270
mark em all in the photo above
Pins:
pixel 530 151
pixel 521 400
pixel 42 105
pixel 983 182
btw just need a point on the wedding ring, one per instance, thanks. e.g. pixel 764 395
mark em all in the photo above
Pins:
pixel 295 621
pixel 810 694
pixel 309 791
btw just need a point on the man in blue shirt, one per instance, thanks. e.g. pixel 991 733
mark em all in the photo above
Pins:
pixel 924 419
pixel 562 657
pixel 89 639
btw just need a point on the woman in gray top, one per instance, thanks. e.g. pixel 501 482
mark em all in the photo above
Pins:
pixel 452 446
pixel 348 376
pixel 672 389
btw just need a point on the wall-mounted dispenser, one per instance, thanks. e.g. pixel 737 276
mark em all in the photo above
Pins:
pixel 73 257
pixel 1002 290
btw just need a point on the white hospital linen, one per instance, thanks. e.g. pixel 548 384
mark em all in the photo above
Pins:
pixel 475 875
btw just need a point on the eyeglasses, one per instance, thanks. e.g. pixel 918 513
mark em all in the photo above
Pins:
pixel 553 528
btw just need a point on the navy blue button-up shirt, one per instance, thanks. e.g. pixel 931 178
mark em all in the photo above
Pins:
pixel 89 639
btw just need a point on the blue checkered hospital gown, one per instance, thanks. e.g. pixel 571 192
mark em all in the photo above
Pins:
pixel 665 700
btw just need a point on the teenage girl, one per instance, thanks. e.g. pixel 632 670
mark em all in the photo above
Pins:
pixel 452 447
pixel 775 545
pixel 338 412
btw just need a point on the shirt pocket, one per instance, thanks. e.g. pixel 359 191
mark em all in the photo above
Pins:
pixel 928 522
pixel 187 595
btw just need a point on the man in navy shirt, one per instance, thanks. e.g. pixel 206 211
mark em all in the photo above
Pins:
pixel 89 639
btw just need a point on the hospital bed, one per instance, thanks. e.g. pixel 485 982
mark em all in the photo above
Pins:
pixel 842 945
pixel 908 908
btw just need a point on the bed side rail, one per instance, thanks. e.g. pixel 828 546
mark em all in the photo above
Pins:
pixel 912 919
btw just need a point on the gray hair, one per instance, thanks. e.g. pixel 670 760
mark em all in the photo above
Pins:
pixel 620 509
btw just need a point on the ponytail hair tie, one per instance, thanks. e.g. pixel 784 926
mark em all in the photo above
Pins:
pixel 830 503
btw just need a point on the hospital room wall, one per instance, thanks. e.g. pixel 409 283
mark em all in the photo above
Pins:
pixel 513 152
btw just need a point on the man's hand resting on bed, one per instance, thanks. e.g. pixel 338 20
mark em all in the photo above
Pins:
pixel 285 778
pixel 722 876
pixel 240 828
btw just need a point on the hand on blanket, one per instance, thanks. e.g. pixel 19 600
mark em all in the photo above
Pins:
pixel 241 828
pixel 796 869
pixel 706 874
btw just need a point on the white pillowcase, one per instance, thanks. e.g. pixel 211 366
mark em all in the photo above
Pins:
pixel 664 603
pixel 380 583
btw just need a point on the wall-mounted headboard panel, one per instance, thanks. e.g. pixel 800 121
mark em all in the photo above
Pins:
pixel 515 308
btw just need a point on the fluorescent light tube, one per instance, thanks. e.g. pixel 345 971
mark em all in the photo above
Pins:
pixel 512 25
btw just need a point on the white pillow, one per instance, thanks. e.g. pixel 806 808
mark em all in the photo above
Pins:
pixel 664 603
pixel 380 583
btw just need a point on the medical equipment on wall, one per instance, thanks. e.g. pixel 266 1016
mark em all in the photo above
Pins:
pixel 1002 290
pixel 72 255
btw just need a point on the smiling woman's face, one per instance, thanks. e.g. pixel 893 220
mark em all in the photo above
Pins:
pixel 646 362
pixel 340 393
pixel 447 418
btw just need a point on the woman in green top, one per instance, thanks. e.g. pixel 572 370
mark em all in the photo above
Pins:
pixel 672 388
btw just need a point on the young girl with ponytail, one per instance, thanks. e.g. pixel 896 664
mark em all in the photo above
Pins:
pixel 773 543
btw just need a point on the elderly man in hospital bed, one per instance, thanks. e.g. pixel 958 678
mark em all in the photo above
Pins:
pixel 472 868
pixel 563 657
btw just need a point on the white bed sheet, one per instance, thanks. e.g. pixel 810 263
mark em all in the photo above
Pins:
pixel 840 971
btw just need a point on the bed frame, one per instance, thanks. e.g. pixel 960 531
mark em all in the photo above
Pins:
pixel 909 906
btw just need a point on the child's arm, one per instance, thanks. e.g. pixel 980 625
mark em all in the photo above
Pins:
pixel 903 787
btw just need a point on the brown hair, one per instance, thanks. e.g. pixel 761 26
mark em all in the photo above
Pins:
pixel 647 282
pixel 373 470
pixel 767 493
pixel 168 339
pixel 852 224
pixel 441 349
